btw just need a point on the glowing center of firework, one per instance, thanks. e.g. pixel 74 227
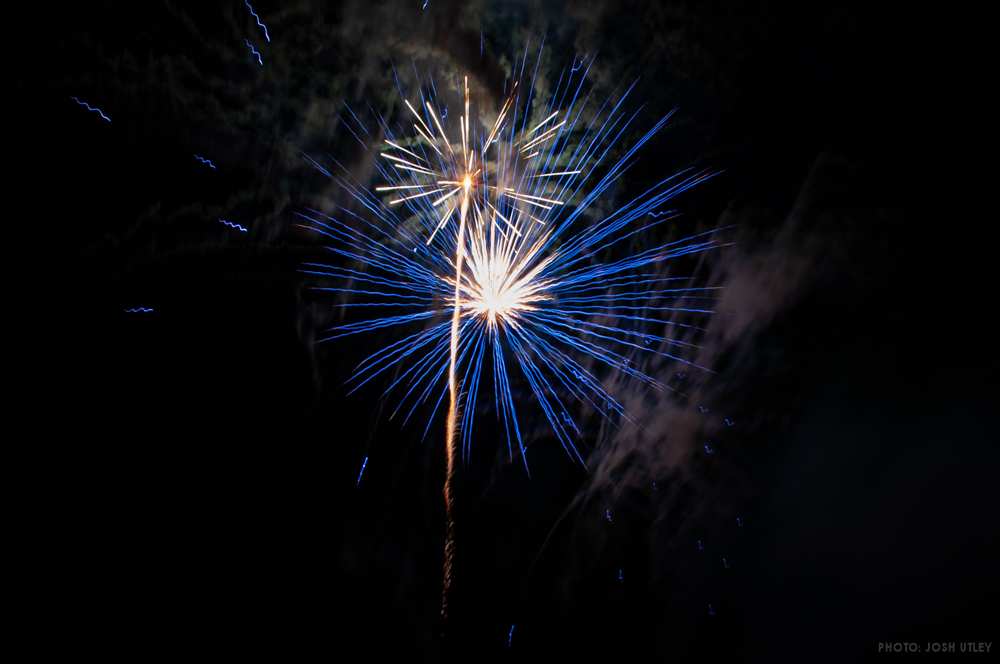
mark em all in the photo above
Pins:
pixel 499 290
pixel 497 302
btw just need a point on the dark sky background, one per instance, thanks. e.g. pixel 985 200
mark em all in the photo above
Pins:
pixel 207 499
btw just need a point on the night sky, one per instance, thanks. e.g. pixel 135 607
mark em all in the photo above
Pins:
pixel 205 456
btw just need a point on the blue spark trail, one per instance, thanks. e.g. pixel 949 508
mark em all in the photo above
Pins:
pixel 139 310
pixel 362 471
pixel 238 227
pixel 92 109
pixel 254 52
pixel 259 22
pixel 207 162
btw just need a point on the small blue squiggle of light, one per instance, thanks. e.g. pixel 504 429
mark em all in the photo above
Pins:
pixel 703 409
pixel 255 52
pixel 207 162
pixel 139 310
pixel 728 422
pixel 621 574
pixel 259 22
pixel 701 545
pixel 739 522
pixel 238 227
pixel 607 515
pixel 426 2
pixel 510 635
pixel 92 109
pixel 709 450
pixel 725 563
pixel 362 472
pixel 576 66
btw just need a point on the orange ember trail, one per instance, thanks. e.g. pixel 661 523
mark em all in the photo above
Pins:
pixel 452 423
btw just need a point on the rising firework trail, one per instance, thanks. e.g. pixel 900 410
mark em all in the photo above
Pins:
pixel 494 240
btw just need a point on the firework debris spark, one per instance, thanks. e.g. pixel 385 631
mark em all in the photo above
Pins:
pixel 260 23
pixel 207 162
pixel 364 463
pixel 92 109
pixel 236 226
pixel 254 52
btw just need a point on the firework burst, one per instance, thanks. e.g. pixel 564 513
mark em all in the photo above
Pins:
pixel 490 242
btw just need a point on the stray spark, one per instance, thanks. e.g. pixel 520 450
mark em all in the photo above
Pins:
pixel 92 109
pixel 254 52
pixel 728 422
pixel 701 545
pixel 233 225
pixel 426 2
pixel 607 515
pixel 725 563
pixel 139 310
pixel 259 22
pixel 363 464
pixel 709 450
pixel 510 635
pixel 207 162
pixel 621 574
pixel 739 522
